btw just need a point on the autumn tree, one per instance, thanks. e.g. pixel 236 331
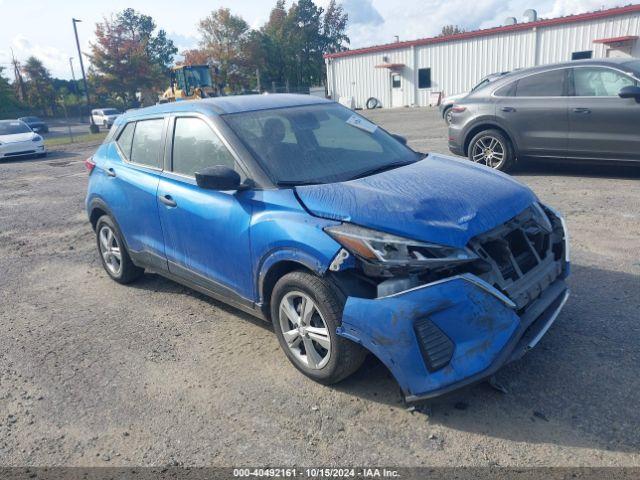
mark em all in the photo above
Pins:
pixel 128 56
pixel 223 42
pixel 41 95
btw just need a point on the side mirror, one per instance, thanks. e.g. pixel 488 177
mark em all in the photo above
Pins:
pixel 219 177
pixel 630 92
pixel 399 138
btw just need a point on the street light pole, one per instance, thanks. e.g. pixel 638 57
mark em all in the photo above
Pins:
pixel 84 77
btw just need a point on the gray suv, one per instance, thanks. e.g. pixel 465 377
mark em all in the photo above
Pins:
pixel 582 110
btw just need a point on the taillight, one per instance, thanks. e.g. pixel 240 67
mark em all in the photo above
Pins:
pixel 458 108
pixel 90 164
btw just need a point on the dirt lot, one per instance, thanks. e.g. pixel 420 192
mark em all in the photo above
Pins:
pixel 94 373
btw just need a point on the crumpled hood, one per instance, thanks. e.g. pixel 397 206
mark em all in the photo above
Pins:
pixel 16 137
pixel 439 199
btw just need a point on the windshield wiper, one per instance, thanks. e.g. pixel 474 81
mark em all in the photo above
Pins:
pixel 294 183
pixel 380 169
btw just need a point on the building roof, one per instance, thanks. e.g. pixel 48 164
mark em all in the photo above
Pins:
pixel 582 17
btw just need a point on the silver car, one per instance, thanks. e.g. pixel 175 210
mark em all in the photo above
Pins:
pixel 587 110
pixel 447 102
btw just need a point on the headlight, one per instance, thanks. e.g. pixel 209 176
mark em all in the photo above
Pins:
pixel 380 247
pixel 36 138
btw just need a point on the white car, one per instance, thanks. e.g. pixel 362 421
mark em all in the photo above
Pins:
pixel 104 117
pixel 18 140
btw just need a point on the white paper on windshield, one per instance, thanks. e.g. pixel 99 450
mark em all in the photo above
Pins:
pixel 361 123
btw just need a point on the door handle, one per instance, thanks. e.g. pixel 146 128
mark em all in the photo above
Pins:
pixel 582 110
pixel 168 200
pixel 508 109
pixel 111 172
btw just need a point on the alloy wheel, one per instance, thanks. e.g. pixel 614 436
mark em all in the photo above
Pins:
pixel 110 250
pixel 304 330
pixel 489 151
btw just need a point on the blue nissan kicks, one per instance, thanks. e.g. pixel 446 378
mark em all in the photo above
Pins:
pixel 305 214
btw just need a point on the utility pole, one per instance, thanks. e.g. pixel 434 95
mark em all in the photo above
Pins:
pixel 93 127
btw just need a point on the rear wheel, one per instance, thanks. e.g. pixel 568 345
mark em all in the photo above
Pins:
pixel 493 149
pixel 306 311
pixel 447 115
pixel 113 254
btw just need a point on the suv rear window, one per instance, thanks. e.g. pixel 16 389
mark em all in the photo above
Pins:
pixel 147 140
pixel 125 138
pixel 546 84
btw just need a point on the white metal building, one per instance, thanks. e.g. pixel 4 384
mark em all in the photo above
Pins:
pixel 414 73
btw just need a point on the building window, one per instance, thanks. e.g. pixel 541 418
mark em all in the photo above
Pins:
pixel 395 80
pixel 581 55
pixel 424 78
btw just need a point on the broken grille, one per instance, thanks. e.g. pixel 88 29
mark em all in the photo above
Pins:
pixel 523 255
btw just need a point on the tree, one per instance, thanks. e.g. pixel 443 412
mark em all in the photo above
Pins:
pixel 9 104
pixel 39 86
pixel 294 41
pixel 224 39
pixel 128 57
pixel 451 30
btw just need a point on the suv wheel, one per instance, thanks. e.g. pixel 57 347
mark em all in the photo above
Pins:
pixel 447 115
pixel 493 149
pixel 306 311
pixel 113 254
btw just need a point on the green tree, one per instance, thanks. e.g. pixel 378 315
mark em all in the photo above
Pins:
pixel 451 30
pixel 294 41
pixel 9 104
pixel 128 56
pixel 39 86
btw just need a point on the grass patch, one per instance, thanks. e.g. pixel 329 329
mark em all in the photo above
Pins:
pixel 85 138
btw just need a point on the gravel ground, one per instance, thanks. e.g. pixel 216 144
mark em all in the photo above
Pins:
pixel 95 373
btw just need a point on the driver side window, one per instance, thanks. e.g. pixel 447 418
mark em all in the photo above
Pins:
pixel 196 146
pixel 599 82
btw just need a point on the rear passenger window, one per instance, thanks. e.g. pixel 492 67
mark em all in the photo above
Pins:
pixel 196 146
pixel 147 142
pixel 125 138
pixel 547 84
pixel 507 90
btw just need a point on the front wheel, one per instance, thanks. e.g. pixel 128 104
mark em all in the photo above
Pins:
pixel 493 149
pixel 306 311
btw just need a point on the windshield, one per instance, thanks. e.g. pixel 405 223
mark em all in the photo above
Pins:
pixel 30 119
pixel 11 127
pixel 317 144
pixel 110 111
pixel 198 77
pixel 634 67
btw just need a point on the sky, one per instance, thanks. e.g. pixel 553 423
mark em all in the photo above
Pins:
pixel 44 29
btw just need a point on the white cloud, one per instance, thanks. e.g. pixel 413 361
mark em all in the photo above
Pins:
pixel 362 12
pixel 53 58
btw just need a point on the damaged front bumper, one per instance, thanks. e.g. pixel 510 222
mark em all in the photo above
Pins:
pixel 441 336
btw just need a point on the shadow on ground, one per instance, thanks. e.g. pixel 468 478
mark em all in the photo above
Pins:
pixel 577 169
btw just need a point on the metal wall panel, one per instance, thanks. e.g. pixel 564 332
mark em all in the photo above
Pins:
pixel 458 65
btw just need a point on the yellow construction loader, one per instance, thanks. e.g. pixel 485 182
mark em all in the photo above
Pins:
pixel 190 82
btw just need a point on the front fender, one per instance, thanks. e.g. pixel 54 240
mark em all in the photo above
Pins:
pixel 282 231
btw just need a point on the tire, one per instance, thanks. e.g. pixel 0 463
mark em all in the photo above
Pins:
pixel 371 103
pixel 485 147
pixel 446 115
pixel 41 155
pixel 344 356
pixel 127 271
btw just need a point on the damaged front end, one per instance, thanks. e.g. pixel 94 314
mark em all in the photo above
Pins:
pixel 440 318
